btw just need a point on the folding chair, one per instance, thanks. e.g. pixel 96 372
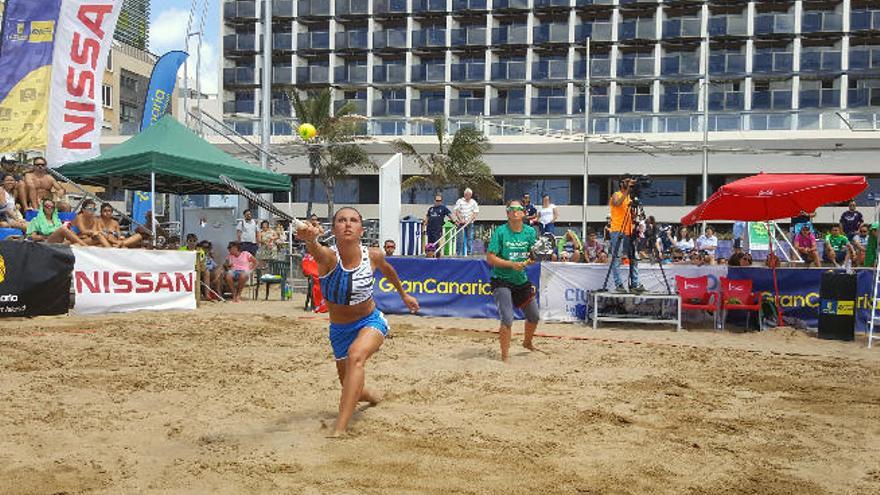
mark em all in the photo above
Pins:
pixel 737 294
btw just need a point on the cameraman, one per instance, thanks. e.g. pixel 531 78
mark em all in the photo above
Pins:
pixel 621 232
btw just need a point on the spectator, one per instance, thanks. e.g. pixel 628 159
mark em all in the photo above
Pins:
pixel 173 243
pixel 465 214
pixel 112 231
pixel 739 235
pixel 594 250
pixel 684 242
pixel 192 244
pixel 10 217
pixel 706 245
pixel 531 212
pixel 572 247
pixel 267 241
pixel 239 266
pixel 648 231
pixel 547 215
pixel 805 244
pixel 860 244
pixel 145 234
pixel 851 220
pixel 389 247
pixel 39 184
pixel 246 233
pixel 431 250
pixel 87 227
pixel 47 227
pixel 434 219
pixel 316 222
pixel 803 218
pixel 213 274
pixel 871 248
pixel 664 243
pixel 740 259
pixel 837 247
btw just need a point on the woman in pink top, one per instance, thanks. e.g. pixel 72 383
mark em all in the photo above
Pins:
pixel 239 265
pixel 805 243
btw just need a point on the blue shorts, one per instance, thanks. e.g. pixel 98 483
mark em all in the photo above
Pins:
pixel 237 274
pixel 343 335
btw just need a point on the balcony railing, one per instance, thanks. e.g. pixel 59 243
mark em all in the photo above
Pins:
pixel 821 22
pixel 824 61
pixel 464 5
pixel 467 106
pixel 429 73
pixel 634 103
pixel 382 108
pixel 539 4
pixel 240 43
pixel 819 98
pixel 864 20
pixel 681 28
pixel 864 58
pixel 596 31
pixel 727 63
pixel 679 102
pixel 513 105
pixel 510 4
pixel 469 72
pixel 351 40
pixel 350 74
pixel 641 29
pixel 389 38
pixel 313 8
pixel 680 65
pixel 389 6
pixel 282 107
pixel 726 100
pixel 282 75
pixel 548 105
pixel 313 74
pixel 425 6
pixel 550 33
pixel 239 76
pixel 728 25
pixel 635 66
pixel 352 7
pixel 509 71
pixel 510 35
pixel 469 36
pixel 863 97
pixel 240 10
pixel 390 73
pixel 584 3
pixel 599 68
pixel 359 106
pixel 774 99
pixel 425 107
pixel 774 24
pixel 238 106
pixel 282 8
pixel 549 69
pixel 282 41
pixel 429 38
pixel 314 40
pixel 772 62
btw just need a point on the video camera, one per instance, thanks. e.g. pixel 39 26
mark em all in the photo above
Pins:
pixel 636 183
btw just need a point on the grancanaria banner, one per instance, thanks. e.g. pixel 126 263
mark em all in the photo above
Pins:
pixel 444 287
pixel 52 59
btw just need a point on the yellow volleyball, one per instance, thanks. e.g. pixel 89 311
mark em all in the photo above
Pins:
pixel 307 131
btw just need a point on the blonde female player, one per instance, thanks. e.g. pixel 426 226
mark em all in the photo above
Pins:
pixel 357 327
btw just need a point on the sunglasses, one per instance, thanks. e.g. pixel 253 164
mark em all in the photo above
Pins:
pixel 49 206
pixel 515 208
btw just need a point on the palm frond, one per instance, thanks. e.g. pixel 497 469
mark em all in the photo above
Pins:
pixel 415 182
pixel 407 149
pixel 440 131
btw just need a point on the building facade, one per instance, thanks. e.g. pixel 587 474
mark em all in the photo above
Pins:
pixel 133 26
pixel 785 78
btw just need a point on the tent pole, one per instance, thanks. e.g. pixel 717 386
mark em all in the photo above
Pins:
pixel 153 209
pixel 290 240
pixel 775 280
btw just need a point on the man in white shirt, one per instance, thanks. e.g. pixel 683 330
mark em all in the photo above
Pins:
pixel 707 244
pixel 246 233
pixel 465 214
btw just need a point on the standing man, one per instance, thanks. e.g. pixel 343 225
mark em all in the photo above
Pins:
pixel 531 211
pixel 434 219
pixel 465 213
pixel 851 220
pixel 246 233
pixel 508 254
pixel 39 185
pixel 621 226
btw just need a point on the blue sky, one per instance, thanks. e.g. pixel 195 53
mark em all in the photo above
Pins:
pixel 168 20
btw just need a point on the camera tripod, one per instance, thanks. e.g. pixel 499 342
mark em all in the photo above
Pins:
pixel 636 213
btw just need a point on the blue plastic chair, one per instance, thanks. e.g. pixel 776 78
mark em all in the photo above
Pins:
pixel 66 216
pixel 30 215
pixel 7 232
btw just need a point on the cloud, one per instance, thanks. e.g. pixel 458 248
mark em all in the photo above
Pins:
pixel 168 31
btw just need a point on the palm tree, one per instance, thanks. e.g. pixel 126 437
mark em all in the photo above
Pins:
pixel 457 163
pixel 331 153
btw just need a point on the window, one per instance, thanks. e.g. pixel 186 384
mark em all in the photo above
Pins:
pixel 110 60
pixel 664 192
pixel 560 190
pixel 425 196
pixel 345 191
pixel 107 96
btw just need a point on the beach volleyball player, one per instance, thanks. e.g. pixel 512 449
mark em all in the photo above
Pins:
pixel 508 255
pixel 357 327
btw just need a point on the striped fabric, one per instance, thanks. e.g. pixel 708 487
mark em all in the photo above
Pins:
pixel 411 238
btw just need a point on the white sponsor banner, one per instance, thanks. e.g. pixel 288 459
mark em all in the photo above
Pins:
pixel 120 280
pixel 566 286
pixel 82 40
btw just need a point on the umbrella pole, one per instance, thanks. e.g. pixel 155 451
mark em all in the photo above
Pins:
pixel 153 208
pixel 775 280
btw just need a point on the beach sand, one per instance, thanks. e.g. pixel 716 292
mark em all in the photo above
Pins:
pixel 239 398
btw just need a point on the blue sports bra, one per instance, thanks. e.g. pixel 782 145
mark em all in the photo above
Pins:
pixel 349 287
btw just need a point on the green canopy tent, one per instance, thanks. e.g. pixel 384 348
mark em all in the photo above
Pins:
pixel 169 158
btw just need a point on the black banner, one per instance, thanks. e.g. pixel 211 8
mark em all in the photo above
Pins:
pixel 34 278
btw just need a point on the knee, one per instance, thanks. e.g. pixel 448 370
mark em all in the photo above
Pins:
pixel 506 322
pixel 357 357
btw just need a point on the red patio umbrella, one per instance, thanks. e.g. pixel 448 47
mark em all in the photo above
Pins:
pixel 766 197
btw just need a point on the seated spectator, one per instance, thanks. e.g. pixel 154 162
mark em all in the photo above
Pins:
pixel 740 259
pixel 684 242
pixel 837 247
pixel 267 243
pixel 64 207
pixel 430 250
pixel 10 216
pixel 706 245
pixel 860 244
pixel 805 244
pixel 47 227
pixel 679 257
pixel 192 244
pixel 172 244
pixel 112 231
pixel 571 247
pixel 239 266
pixel 213 273
pixel 664 243
pixel 594 249
pixel 86 225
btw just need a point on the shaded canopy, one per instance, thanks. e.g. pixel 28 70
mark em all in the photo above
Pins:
pixel 183 162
